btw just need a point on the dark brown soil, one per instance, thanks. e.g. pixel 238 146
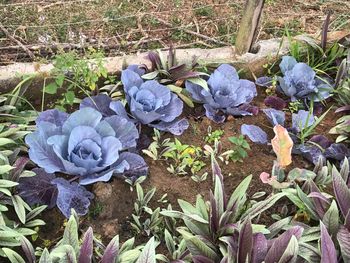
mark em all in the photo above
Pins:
pixel 115 215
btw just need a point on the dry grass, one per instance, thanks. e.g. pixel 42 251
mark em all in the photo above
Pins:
pixel 120 22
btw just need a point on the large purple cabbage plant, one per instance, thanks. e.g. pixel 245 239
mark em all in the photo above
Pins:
pixel 149 102
pixel 299 81
pixel 225 94
pixel 85 145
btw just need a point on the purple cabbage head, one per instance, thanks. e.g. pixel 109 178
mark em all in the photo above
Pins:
pixel 83 144
pixel 299 81
pixel 226 93
pixel 150 103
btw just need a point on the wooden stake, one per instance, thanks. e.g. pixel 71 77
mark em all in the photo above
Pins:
pixel 249 24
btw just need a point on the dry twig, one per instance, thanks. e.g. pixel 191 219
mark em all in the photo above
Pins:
pixel 19 43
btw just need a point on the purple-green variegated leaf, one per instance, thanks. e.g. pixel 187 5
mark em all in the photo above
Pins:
pixel 308 252
pixel 155 59
pixel 331 218
pixel 280 244
pixel 202 259
pixel 328 252
pixel 111 251
pixel 259 248
pixel 347 221
pixel 19 165
pixel 342 193
pixel 290 254
pixel 276 227
pixel 260 207
pixel 148 254
pixel 245 241
pixel 239 194
pixel 45 257
pixel 343 237
pixel 324 33
pixel 213 214
pixel 199 246
pixel 28 249
pixel 86 248
pixel 321 203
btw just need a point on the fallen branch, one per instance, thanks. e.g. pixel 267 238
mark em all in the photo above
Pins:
pixel 78 46
pixel 7 33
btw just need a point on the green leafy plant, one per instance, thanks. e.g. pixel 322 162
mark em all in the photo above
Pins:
pixel 208 224
pixel 70 249
pixel 71 74
pixel 294 106
pixel 141 222
pixel 185 157
pixel 18 221
pixel 238 151
pixel 342 129
pixel 157 148
pixel 213 135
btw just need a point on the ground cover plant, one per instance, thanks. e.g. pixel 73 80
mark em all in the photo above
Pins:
pixel 177 163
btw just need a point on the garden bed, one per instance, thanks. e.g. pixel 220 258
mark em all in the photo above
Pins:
pixel 162 125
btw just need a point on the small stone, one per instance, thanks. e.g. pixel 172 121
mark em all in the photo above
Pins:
pixel 110 228
pixel 102 191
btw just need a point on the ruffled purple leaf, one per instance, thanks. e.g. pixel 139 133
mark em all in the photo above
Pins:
pixel 72 196
pixel 321 140
pixel 302 120
pixel 254 133
pixel 299 81
pixel 100 103
pixel 311 153
pixel 213 114
pixel 130 79
pixel 264 81
pixel 119 109
pixel 275 116
pixel 137 166
pixel 328 252
pixel 227 94
pixel 337 151
pixel 287 64
pixel 176 127
pixel 53 116
pixel 38 190
pixel 275 102
pixel 87 145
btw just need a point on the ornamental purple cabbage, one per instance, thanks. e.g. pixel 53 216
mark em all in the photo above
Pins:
pixel 299 81
pixel 150 103
pixel 226 93
pixel 83 144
